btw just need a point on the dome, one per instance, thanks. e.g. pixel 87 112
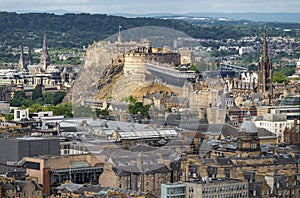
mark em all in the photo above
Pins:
pixel 56 70
pixel 248 125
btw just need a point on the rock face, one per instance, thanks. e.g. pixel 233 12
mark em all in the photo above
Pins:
pixel 116 69
pixel 103 61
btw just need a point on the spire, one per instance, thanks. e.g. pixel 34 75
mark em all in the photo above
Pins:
pixel 248 116
pixel 45 50
pixel 30 61
pixel 265 69
pixel 21 61
pixel 265 47
pixel 45 58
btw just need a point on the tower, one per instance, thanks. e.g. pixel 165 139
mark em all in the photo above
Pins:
pixel 265 70
pixel 21 61
pixel 45 58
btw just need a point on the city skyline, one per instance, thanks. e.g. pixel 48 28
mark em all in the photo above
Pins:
pixel 155 6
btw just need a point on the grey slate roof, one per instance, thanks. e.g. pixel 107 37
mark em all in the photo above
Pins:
pixel 71 187
pixel 224 161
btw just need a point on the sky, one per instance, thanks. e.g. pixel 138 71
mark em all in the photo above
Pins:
pixel 151 6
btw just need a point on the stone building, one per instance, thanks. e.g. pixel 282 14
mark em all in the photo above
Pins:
pixel 246 158
pixel 137 171
pixel 248 141
pixel 291 135
pixel 95 191
pixel 6 92
pixel 21 189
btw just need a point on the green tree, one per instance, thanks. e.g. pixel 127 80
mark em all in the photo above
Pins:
pixel 9 116
pixel 130 99
pixel 19 99
pixel 83 111
pixel 139 108
pixel 53 98
pixel 64 109
pixel 36 107
pixel 103 112
pixel 19 95
pixel 37 92
pixel 278 76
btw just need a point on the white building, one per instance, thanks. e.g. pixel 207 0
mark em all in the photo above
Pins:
pixel 276 123
pixel 20 114
pixel 244 50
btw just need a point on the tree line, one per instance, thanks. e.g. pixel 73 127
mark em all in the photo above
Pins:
pixel 77 30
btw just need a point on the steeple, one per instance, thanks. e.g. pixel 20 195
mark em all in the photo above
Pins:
pixel 45 50
pixel 30 61
pixel 45 58
pixel 265 46
pixel 21 61
pixel 265 70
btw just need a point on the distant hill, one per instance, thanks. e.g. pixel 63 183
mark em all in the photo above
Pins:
pixel 77 30
pixel 248 16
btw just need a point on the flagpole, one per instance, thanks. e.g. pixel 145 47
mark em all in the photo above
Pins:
pixel 120 29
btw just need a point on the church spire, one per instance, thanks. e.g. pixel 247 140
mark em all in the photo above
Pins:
pixel 30 61
pixel 265 70
pixel 21 61
pixel 45 58
pixel 265 46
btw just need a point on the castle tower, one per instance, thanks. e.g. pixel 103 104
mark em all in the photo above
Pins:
pixel 45 58
pixel 21 61
pixel 248 141
pixel 30 60
pixel 265 70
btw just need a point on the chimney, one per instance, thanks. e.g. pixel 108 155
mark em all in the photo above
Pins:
pixel 249 176
pixel 212 172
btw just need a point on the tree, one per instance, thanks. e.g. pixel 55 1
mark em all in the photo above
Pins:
pixel 36 107
pixel 130 99
pixel 102 112
pixel 19 95
pixel 64 109
pixel 278 76
pixel 139 108
pixel 9 116
pixel 53 98
pixel 37 92
pixel 83 111
pixel 19 99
